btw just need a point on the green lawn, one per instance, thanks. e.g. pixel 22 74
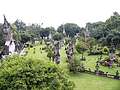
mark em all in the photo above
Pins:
pixel 91 82
pixel 91 62
pixel 82 81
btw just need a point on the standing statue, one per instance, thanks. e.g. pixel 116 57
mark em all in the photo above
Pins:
pixel 9 47
pixel 56 52
pixel 50 36
pixel 112 56
pixel 86 34
pixel 70 52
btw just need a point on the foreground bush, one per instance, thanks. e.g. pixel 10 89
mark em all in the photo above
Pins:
pixel 19 73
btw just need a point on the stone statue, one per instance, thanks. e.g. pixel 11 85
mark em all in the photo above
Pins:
pixel 56 52
pixel 112 56
pixel 8 37
pixel 69 52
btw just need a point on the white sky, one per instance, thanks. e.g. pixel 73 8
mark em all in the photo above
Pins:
pixel 56 12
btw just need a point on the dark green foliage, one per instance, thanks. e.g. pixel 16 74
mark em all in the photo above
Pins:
pixel 76 66
pixel 58 36
pixel 113 22
pixel 21 26
pixel 60 29
pixel 109 39
pixel 67 40
pixel 97 29
pixel 105 50
pixel 50 54
pixel 96 51
pixel 80 47
pixel 19 73
pixel 44 32
pixel 25 38
pixel 44 48
pixel 106 32
pixel 70 29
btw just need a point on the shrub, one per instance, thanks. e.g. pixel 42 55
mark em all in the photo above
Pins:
pixel 96 51
pixel 31 46
pixel 20 73
pixel 80 47
pixel 57 36
pixel 76 66
pixel 44 48
pixel 67 40
pixel 50 54
pixel 118 54
pixel 105 50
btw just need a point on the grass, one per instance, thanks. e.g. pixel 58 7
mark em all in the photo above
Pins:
pixel 82 81
pixel 91 63
pixel 91 82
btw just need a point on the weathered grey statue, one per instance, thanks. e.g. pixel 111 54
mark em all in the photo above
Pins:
pixel 86 33
pixel 8 37
pixel 112 55
pixel 70 52
pixel 56 52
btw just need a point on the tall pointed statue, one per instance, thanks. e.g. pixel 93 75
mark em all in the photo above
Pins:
pixel 8 37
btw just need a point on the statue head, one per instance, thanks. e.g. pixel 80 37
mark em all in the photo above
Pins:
pixel 7 30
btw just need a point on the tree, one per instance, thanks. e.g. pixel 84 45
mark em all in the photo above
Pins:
pixel 16 34
pixel 21 26
pixel 90 43
pixel 81 48
pixel 70 29
pixel 25 38
pixel 113 22
pixel 57 36
pixel 109 39
pixel 34 30
pixel 60 29
pixel 97 30
pixel 44 32
pixel 51 29
pixel 116 41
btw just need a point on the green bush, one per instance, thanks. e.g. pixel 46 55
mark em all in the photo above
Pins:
pixel 20 73
pixel 57 36
pixel 67 40
pixel 76 66
pixel 105 50
pixel 80 47
pixel 50 54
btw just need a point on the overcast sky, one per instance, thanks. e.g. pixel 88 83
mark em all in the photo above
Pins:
pixel 56 12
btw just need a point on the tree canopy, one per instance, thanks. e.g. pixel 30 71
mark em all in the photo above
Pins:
pixel 70 29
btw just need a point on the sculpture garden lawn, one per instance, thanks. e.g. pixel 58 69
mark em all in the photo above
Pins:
pixel 82 81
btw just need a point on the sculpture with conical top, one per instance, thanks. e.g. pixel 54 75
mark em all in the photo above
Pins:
pixel 8 37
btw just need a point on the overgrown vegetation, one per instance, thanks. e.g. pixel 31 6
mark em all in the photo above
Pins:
pixel 19 73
